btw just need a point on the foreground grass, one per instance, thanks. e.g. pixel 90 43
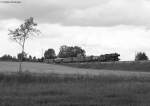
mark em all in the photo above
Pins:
pixel 26 89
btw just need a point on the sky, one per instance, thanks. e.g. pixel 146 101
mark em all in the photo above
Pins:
pixel 98 26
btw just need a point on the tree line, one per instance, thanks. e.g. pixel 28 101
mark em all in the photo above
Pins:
pixel 76 51
pixel 66 52
pixel 25 58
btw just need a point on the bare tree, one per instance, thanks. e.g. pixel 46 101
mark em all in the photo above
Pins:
pixel 22 33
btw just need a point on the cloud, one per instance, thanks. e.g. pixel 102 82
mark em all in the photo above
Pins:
pixel 115 12
pixel 81 12
pixel 45 10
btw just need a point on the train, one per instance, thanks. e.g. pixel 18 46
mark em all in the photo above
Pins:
pixel 71 59
pixel 101 58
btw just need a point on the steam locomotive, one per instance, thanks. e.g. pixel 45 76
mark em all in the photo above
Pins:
pixel 101 58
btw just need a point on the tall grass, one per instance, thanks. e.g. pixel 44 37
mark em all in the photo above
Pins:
pixel 28 77
pixel 29 89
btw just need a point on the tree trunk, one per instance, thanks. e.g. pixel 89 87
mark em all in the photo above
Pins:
pixel 20 66
pixel 21 59
pixel 20 63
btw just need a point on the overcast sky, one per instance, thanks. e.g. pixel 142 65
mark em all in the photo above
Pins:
pixel 98 26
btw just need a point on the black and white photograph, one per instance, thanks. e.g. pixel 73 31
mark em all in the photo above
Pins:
pixel 74 52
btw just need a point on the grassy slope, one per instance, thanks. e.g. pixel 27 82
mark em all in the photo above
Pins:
pixel 134 66
pixel 73 90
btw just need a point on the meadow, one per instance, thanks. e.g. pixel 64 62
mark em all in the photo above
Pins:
pixel 26 89
pixel 47 88
pixel 118 65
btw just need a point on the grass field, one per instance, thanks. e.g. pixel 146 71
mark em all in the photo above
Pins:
pixel 9 67
pixel 98 88
pixel 120 65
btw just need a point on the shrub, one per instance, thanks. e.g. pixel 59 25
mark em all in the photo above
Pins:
pixel 141 56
